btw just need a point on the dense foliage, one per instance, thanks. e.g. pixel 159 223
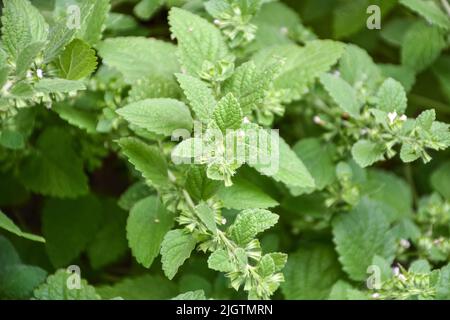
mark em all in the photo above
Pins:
pixel 105 105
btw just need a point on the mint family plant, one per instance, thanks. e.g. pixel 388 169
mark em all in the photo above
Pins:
pixel 137 150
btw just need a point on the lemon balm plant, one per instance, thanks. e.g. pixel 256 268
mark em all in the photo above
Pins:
pixel 224 149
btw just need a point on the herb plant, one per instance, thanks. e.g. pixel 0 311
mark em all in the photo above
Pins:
pixel 138 158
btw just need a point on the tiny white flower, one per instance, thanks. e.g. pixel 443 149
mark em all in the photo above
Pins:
pixel 405 243
pixel 403 117
pixel 40 73
pixel 224 220
pixel 318 120
pixel 396 271
pixel 401 277
pixel 29 74
pixel 284 30
pixel 7 86
pixel 375 295
pixel 337 73
pixel 216 22
pixel 246 120
pixel 392 116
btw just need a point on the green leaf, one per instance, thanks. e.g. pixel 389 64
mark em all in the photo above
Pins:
pixel 118 52
pixel 291 170
pixel 366 152
pixel 342 93
pixel 27 56
pixel 22 24
pixel 228 114
pixel 161 116
pixel 360 235
pixel 54 167
pixel 175 249
pixel 18 281
pixel 443 283
pixel 356 67
pixel 69 226
pixel 400 73
pixel 249 85
pixel 317 157
pixel 249 223
pixel 245 195
pixel 430 11
pixel 198 40
pixel 110 242
pixel 77 61
pixel 7 224
pixel 8 255
pixel 440 180
pixel 56 288
pixel 207 216
pixel 199 186
pixel 392 97
pixel 145 9
pixel 303 64
pixel 56 85
pixel 92 27
pixel 146 159
pixel 145 287
pixel 154 86
pixel 219 260
pixel 191 295
pixel 12 139
pixel 421 46
pixel 147 225
pixel 200 96
pixel 310 273
pixel 63 32
pixel 83 119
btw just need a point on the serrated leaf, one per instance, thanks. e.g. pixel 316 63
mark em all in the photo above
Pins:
pixel 146 159
pixel 249 85
pixel 27 56
pixel 360 235
pixel 198 40
pixel 54 168
pixel 56 85
pixel 69 226
pixel 421 46
pixel 22 24
pixel 207 216
pixel 56 288
pixel 175 249
pixel 161 116
pixel 78 60
pixel 64 30
pixel 245 195
pixel 83 119
pixel 200 96
pixel 366 152
pixel 219 260
pixel 342 93
pixel 144 287
pixel 392 97
pixel 199 186
pixel 430 11
pixel 317 157
pixel 7 224
pixel 118 52
pixel 291 170
pixel 147 225
pixel 402 74
pixel 356 66
pixel 92 27
pixel 228 114
pixel 250 222
pixel 154 86
pixel 311 272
